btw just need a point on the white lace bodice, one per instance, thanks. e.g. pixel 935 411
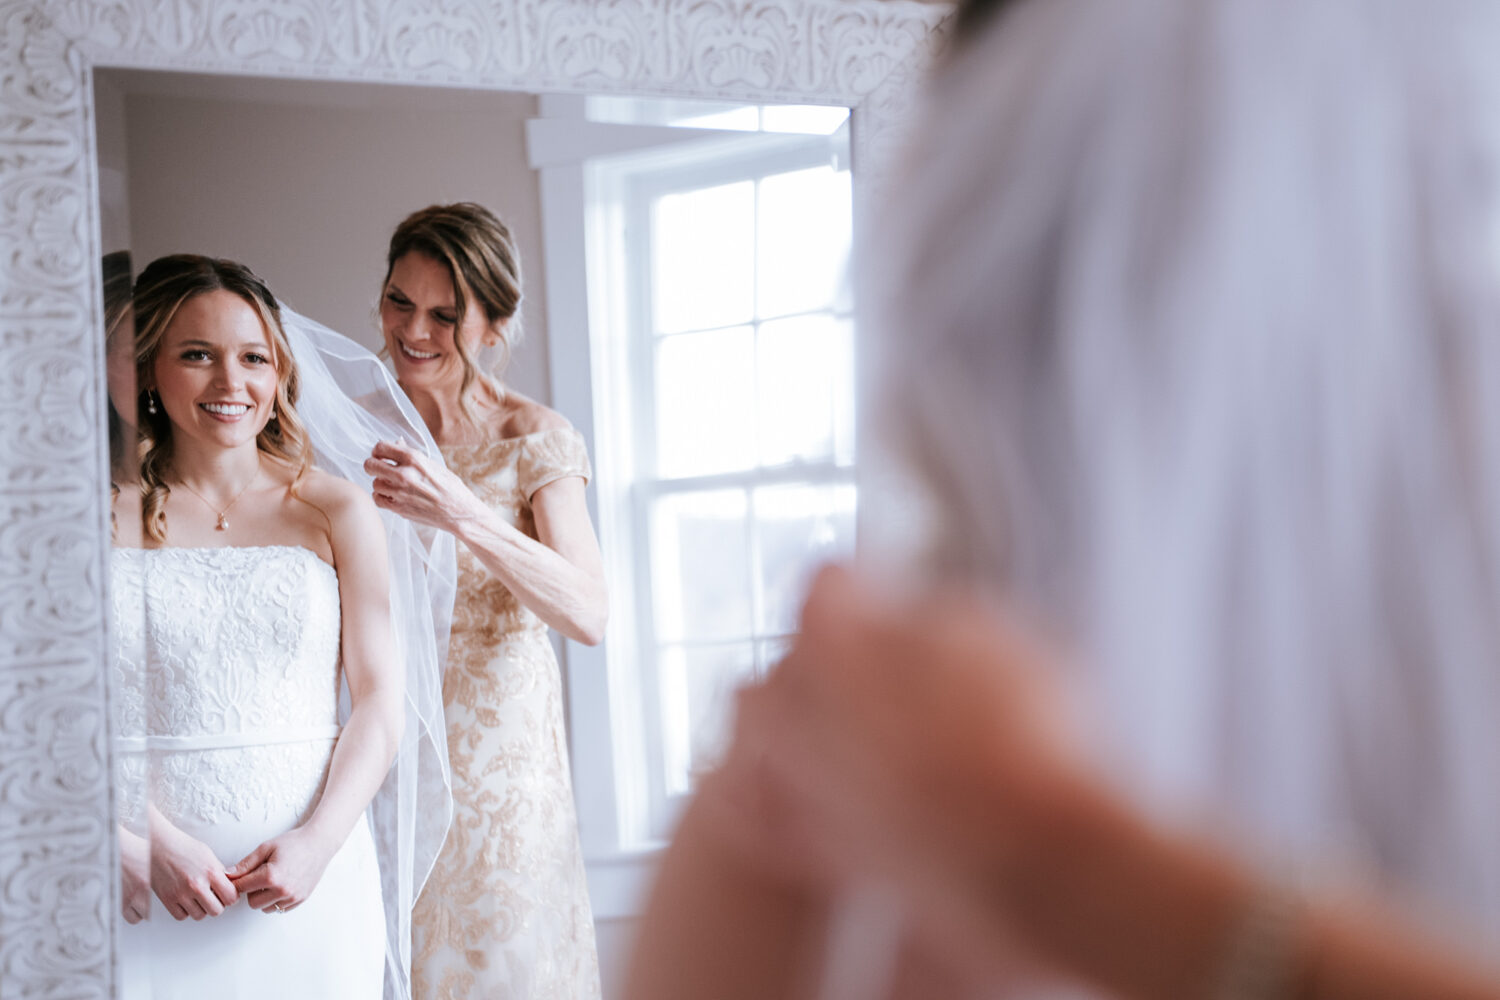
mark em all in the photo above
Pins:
pixel 226 678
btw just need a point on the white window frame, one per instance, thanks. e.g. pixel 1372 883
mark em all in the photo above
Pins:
pixel 636 183
pixel 623 810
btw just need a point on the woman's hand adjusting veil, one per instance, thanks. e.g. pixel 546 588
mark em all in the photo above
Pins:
pixel 419 489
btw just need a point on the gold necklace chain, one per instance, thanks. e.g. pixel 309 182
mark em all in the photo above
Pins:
pixel 223 522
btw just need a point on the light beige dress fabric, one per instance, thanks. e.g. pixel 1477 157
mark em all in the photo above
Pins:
pixel 505 914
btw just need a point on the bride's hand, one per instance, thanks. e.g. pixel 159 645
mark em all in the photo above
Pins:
pixel 282 872
pixel 412 485
pixel 186 875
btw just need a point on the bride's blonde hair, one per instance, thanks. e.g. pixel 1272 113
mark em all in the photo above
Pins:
pixel 162 288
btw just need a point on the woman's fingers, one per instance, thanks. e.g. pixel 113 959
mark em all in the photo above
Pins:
pixel 249 863
pixel 392 451
pixel 223 889
pixel 265 899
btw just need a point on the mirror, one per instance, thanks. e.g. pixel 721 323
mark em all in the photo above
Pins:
pixel 56 843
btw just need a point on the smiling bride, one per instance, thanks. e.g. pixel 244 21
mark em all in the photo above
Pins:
pixel 262 587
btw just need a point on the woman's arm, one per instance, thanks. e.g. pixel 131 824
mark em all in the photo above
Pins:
pixel 559 575
pixel 284 870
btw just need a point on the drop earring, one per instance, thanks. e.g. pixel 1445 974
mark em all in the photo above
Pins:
pixel 151 402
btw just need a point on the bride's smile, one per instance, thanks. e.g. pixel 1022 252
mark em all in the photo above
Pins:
pixel 215 374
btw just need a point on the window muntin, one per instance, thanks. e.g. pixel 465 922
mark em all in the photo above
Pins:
pixel 743 411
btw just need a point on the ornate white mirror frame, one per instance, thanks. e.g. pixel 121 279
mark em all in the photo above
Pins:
pixel 57 883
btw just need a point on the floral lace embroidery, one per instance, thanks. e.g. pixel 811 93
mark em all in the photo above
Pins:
pixel 229 648
pixel 506 910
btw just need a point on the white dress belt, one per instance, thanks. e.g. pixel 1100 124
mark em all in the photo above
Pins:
pixel 221 741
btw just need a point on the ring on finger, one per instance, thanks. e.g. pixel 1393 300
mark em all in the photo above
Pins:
pixel 276 907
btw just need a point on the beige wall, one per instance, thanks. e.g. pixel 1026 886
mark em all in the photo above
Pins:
pixel 305 181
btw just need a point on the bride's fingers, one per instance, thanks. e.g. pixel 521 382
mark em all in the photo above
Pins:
pixel 249 863
pixel 263 899
pixel 222 888
pixel 254 882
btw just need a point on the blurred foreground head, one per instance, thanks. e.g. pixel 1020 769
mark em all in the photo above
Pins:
pixel 1186 328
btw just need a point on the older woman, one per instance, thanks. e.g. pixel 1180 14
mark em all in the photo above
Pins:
pixel 505 912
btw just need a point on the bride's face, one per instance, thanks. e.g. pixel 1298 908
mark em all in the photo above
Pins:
pixel 419 320
pixel 215 371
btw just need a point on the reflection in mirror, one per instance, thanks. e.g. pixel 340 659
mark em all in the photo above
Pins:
pixel 715 354
pixel 127 691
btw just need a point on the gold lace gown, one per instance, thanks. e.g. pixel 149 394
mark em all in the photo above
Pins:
pixel 505 914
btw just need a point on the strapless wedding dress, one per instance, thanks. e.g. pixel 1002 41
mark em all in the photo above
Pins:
pixel 226 694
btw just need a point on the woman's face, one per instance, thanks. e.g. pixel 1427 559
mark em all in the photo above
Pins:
pixel 214 373
pixel 417 316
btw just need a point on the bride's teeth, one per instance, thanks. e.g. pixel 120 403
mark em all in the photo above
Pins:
pixel 227 409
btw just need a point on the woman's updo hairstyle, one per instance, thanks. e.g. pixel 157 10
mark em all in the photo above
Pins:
pixel 160 290
pixel 481 258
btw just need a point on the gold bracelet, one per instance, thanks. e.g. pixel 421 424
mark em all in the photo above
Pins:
pixel 1260 957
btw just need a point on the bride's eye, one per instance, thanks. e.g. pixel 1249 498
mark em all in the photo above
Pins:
pixel 257 359
pixel 194 354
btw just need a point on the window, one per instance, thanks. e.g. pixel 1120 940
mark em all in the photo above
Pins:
pixel 728 380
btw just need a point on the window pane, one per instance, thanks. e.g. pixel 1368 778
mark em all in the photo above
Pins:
pixel 796 529
pixel 812 119
pixel 804 240
pixel 703 256
pixel 805 384
pixel 700 554
pixel 698 686
pixel 705 403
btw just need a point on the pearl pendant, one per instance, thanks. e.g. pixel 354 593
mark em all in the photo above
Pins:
pixel 223 524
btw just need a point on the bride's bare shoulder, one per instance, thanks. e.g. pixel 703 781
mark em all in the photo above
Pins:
pixel 349 519
pixel 334 495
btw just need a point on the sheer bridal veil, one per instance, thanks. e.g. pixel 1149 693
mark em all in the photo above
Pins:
pixel 348 401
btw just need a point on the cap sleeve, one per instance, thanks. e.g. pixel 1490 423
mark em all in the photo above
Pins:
pixel 551 455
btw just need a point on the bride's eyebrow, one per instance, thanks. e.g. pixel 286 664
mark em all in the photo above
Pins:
pixel 258 345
